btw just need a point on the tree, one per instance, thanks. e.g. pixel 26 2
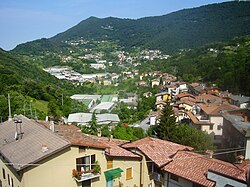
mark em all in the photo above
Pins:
pixel 92 127
pixel 106 131
pixel 124 133
pixel 167 126
pixel 190 136
pixel 167 129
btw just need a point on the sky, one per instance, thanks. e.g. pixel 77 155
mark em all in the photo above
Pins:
pixel 27 20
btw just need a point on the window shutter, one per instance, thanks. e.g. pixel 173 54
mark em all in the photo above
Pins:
pixel 129 173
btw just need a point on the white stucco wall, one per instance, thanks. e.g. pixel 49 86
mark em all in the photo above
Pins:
pixel 222 181
pixel 168 182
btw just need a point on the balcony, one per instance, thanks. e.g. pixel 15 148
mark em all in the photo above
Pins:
pixel 87 176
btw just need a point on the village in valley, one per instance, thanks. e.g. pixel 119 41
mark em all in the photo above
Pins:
pixel 160 101
pixel 221 114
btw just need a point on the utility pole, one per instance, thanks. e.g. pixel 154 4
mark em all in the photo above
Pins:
pixel 62 99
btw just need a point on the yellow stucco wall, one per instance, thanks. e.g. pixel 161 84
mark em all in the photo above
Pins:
pixel 57 170
pixel 9 172
pixel 124 164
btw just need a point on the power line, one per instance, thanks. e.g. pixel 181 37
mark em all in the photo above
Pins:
pixel 65 164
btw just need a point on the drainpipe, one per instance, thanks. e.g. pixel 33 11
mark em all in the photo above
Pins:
pixel 168 180
pixel 141 173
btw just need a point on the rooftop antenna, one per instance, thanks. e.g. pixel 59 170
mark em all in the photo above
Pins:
pixel 35 115
pixel 9 117
pixel 18 133
pixel 31 110
pixel 24 108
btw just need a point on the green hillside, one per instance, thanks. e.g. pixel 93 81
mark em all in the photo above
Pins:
pixel 33 92
pixel 225 64
pixel 188 28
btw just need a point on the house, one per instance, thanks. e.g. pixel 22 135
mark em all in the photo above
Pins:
pixel 131 100
pixel 208 118
pixel 85 118
pixel 154 117
pixel 155 155
pixel 155 82
pixel 240 101
pixel 197 89
pixel 98 66
pixel 147 94
pixel 142 83
pixel 161 99
pixel 184 96
pixel 208 98
pixel 188 169
pixel 62 157
pixel 236 126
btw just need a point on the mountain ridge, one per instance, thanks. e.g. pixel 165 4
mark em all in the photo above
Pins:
pixel 187 28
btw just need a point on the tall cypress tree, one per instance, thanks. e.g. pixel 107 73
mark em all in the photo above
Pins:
pixel 93 127
pixel 167 125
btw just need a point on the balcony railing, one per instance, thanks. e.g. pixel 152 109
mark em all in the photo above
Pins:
pixel 87 176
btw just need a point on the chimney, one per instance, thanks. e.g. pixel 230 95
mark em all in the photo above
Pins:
pixel 52 126
pixel 99 132
pixel 239 159
pixel 245 118
pixel 210 153
pixel 44 148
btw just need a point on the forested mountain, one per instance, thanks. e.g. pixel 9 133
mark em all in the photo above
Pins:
pixel 188 28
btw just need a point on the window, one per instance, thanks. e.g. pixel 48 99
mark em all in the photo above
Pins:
pixel 219 127
pixel 211 127
pixel 12 182
pixel 82 149
pixel 109 164
pixel 1 184
pixel 8 179
pixel 4 176
pixel 174 177
pixel 129 173
pixel 85 163
pixel 150 168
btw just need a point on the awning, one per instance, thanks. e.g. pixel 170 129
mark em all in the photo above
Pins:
pixel 113 174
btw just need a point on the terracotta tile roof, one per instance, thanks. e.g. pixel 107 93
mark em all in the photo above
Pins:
pixel 208 98
pixel 190 103
pixel 194 84
pixel 159 151
pixel 76 137
pixel 194 167
pixel 196 121
pixel 28 150
pixel 185 94
pixel 114 148
pixel 215 109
